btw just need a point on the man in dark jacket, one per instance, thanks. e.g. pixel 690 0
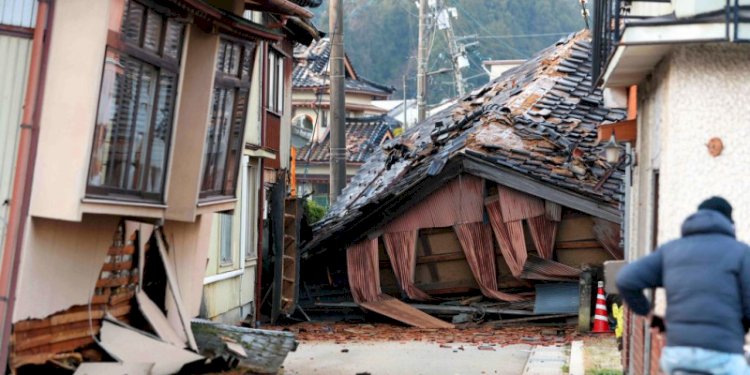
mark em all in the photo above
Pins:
pixel 706 275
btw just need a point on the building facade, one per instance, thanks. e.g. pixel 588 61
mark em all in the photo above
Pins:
pixel 683 76
pixel 143 117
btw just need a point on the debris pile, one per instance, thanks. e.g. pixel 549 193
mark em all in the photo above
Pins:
pixel 481 336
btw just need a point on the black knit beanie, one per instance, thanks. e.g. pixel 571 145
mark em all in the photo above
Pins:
pixel 718 204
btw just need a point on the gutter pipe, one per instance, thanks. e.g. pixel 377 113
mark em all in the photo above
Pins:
pixel 23 175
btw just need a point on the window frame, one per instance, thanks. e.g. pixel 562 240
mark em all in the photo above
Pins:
pixel 275 81
pixel 162 65
pixel 226 234
pixel 239 84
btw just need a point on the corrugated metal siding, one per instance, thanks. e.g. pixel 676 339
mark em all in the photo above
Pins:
pixel 14 62
pixel 18 12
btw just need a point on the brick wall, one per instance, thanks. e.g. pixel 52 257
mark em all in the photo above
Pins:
pixel 657 343
pixel 637 345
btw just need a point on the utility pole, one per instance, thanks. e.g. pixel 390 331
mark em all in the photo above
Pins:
pixel 456 50
pixel 422 62
pixel 337 115
pixel 405 124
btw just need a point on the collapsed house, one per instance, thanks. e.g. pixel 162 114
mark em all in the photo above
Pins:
pixel 505 193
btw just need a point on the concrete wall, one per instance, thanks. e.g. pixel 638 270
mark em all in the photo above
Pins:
pixel 690 98
pixel 706 86
pixel 14 66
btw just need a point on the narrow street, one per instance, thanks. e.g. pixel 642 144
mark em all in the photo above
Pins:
pixel 374 187
pixel 391 358
pixel 339 348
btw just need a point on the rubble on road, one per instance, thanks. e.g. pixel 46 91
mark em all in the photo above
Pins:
pixel 481 336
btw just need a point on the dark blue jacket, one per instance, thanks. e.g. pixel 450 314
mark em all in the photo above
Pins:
pixel 706 275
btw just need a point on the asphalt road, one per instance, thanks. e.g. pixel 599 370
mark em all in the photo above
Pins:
pixel 409 358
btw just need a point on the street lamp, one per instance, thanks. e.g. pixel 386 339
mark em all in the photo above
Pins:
pixel 614 153
pixel 612 150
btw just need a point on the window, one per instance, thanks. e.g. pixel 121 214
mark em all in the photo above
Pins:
pixel 275 82
pixel 225 238
pixel 136 105
pixel 228 111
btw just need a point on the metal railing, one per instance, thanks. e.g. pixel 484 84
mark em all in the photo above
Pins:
pixel 612 16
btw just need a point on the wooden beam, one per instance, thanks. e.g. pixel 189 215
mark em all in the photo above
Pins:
pixel 434 258
pixel 440 308
pixel 577 245
pixel 625 131
pixel 528 185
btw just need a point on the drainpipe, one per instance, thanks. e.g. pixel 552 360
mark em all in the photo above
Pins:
pixel 23 175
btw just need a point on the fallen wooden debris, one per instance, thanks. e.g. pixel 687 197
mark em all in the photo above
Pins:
pixel 440 308
pixel 129 345
pixel 157 320
pixel 507 322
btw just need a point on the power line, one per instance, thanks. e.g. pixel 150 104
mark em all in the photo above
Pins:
pixel 518 36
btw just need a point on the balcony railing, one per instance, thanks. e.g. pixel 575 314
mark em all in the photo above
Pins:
pixel 612 16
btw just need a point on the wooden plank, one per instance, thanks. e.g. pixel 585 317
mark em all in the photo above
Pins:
pixel 119 298
pixel 528 185
pixel 427 249
pixel 125 250
pixel 625 131
pixel 57 347
pixel 175 288
pixel 577 228
pixel 440 257
pixel 32 339
pixel 436 258
pixel 157 320
pixel 117 266
pixel 577 244
pixel 112 283
pixel 405 313
pixel 506 322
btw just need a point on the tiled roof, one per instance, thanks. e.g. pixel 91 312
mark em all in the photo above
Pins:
pixel 538 120
pixel 363 137
pixel 311 70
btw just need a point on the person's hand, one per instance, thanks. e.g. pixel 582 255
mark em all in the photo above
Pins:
pixel 656 322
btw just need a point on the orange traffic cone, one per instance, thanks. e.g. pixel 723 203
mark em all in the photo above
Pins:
pixel 601 322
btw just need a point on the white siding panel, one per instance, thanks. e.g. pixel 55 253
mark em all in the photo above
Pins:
pixel 18 12
pixel 14 62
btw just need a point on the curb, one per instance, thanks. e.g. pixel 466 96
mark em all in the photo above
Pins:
pixel 576 358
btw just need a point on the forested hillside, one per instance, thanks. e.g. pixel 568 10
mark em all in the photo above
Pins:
pixel 381 36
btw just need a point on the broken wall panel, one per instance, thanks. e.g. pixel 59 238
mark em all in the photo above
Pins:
pixel 127 344
pixel 57 250
pixel 190 245
pixel 34 341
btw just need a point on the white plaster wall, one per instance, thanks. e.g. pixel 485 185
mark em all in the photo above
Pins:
pixel 707 85
pixel 56 251
pixel 76 58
